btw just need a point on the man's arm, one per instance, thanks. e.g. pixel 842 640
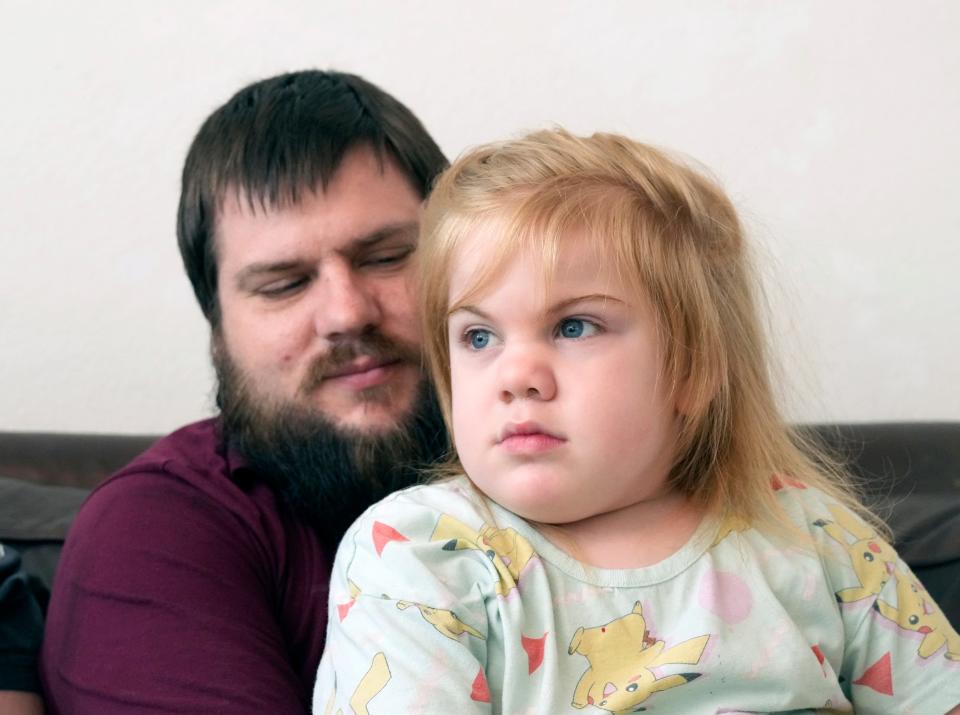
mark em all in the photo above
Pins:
pixel 165 601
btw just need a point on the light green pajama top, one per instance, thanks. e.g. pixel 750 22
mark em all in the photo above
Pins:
pixel 442 603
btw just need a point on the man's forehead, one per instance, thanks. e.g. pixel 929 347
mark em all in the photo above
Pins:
pixel 365 202
pixel 302 227
pixel 246 241
pixel 288 185
pixel 363 176
pixel 235 200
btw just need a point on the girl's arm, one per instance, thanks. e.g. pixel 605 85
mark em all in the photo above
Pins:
pixel 900 653
pixel 408 627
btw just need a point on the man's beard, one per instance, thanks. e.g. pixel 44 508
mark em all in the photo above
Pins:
pixel 324 474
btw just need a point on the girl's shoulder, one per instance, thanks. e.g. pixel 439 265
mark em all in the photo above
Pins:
pixel 858 564
pixel 817 528
pixel 419 507
pixel 809 507
pixel 431 523
pixel 438 533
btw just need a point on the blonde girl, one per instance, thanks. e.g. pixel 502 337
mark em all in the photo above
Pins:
pixel 627 523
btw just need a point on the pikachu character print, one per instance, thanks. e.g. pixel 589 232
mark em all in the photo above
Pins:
pixel 872 559
pixel 916 612
pixel 507 550
pixel 621 656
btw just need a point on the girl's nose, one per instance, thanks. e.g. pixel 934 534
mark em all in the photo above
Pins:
pixel 526 373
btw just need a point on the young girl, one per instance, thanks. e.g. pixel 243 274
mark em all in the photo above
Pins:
pixel 636 528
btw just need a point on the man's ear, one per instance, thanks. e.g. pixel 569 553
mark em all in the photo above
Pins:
pixel 218 341
pixel 216 345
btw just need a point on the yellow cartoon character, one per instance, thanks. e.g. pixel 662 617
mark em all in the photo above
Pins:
pixel 446 622
pixel 872 558
pixel 507 550
pixel 914 612
pixel 621 658
pixel 372 682
pixel 728 525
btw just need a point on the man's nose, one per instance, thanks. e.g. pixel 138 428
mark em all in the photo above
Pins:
pixel 348 304
pixel 526 373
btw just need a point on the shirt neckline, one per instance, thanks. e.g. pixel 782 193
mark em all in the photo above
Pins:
pixel 664 570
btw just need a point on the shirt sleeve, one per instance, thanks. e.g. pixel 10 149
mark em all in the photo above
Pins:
pixel 165 602
pixel 901 654
pixel 21 627
pixel 407 625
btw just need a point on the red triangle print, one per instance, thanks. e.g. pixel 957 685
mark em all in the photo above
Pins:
pixel 480 691
pixel 779 482
pixel 878 676
pixel 383 534
pixel 817 652
pixel 534 648
pixel 344 608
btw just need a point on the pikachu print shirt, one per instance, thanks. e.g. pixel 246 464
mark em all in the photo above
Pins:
pixel 441 602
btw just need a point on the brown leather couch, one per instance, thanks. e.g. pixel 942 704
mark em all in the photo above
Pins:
pixel 911 472
pixel 44 477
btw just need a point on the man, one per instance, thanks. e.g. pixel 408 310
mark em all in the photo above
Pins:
pixel 195 579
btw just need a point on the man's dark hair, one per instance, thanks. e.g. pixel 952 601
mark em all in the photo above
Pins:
pixel 279 137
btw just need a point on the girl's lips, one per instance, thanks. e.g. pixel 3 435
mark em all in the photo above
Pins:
pixel 528 438
pixel 533 443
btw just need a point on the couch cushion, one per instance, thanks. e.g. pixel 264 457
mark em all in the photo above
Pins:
pixel 34 519
pixel 926 528
pixel 926 531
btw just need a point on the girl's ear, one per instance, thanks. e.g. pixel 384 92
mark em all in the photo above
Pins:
pixel 692 396
pixel 683 399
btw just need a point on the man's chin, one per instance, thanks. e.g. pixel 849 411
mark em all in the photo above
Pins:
pixel 328 471
pixel 368 413
pixel 330 453
pixel 365 422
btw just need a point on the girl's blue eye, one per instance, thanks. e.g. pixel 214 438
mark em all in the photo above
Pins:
pixel 573 328
pixel 478 338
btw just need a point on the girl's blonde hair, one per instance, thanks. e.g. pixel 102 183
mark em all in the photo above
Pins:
pixel 673 234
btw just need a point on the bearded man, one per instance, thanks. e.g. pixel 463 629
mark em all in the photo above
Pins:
pixel 195 579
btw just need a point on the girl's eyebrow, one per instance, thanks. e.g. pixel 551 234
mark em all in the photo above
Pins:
pixel 468 309
pixel 556 308
pixel 589 298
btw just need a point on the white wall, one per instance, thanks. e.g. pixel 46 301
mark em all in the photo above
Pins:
pixel 833 125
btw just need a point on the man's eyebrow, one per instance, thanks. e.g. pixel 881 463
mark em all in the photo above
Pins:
pixel 258 270
pixel 366 241
pixel 406 229
pixel 270 267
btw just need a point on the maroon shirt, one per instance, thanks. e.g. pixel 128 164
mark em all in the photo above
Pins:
pixel 184 588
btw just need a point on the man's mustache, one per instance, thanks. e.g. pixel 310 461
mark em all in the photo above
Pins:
pixel 372 344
